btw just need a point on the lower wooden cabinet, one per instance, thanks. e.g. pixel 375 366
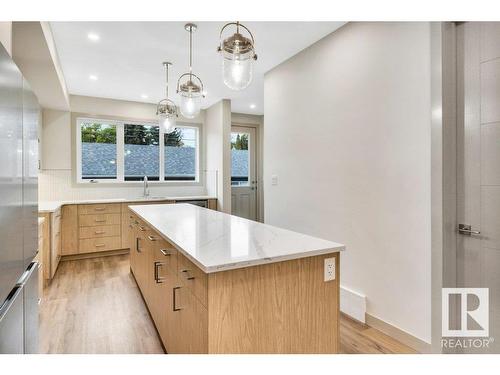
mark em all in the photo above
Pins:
pixel 179 316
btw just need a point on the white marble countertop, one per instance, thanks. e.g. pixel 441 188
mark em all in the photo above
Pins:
pixel 216 241
pixel 51 206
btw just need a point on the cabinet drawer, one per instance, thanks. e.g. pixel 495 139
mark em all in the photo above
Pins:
pixel 92 245
pixel 99 231
pixel 98 220
pixel 192 277
pixel 109 208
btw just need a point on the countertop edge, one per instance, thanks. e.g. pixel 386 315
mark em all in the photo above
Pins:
pixel 243 264
pixel 59 204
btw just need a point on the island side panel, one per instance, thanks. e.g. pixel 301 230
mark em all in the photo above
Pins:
pixel 283 307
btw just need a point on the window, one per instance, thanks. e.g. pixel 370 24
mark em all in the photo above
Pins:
pixel 98 150
pixel 240 159
pixel 115 151
pixel 180 154
pixel 142 151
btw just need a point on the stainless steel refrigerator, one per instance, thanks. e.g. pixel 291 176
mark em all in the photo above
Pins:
pixel 19 113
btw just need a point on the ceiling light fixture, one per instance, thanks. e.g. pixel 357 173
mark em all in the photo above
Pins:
pixel 238 55
pixel 93 37
pixel 93 77
pixel 166 110
pixel 253 106
pixel 144 96
pixel 191 90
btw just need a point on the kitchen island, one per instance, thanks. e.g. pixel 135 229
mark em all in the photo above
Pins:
pixel 216 283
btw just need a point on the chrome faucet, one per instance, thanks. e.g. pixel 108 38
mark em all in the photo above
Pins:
pixel 146 187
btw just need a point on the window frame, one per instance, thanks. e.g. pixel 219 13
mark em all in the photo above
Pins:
pixel 120 153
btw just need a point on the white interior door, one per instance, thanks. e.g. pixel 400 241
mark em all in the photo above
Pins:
pixel 243 177
pixel 478 165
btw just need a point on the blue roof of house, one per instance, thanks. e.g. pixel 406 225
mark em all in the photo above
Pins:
pixel 99 159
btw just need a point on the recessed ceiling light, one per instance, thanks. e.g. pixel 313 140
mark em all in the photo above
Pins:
pixel 253 106
pixel 144 96
pixel 93 37
pixel 93 77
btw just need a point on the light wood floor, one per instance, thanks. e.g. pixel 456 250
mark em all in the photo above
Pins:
pixel 94 306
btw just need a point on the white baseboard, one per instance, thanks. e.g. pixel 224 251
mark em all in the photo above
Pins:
pixel 353 304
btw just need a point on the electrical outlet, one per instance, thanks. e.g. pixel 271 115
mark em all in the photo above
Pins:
pixel 329 269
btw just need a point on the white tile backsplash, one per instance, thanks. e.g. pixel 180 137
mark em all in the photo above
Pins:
pixel 56 185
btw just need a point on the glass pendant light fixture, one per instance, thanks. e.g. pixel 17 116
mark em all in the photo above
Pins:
pixel 238 55
pixel 189 85
pixel 166 110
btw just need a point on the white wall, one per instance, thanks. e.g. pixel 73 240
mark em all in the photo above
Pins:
pixel 6 35
pixel 57 179
pixel 348 135
pixel 218 154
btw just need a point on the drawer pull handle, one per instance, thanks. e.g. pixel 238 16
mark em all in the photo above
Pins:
pixel 137 244
pixel 142 229
pixel 186 273
pixel 100 232
pixel 151 238
pixel 158 279
pixel 174 305
pixel 99 208
pixel 165 252
pixel 100 245
pixel 100 220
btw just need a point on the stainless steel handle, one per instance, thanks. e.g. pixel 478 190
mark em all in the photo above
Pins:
pixel 175 308
pixel 142 229
pixel 100 220
pixel 467 230
pixel 99 208
pixel 186 272
pixel 151 238
pixel 137 244
pixel 165 252
pixel 100 245
pixel 4 308
pixel 158 279
pixel 99 232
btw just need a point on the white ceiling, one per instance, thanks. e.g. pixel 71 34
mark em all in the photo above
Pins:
pixel 127 59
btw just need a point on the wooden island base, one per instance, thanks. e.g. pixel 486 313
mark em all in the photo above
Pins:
pixel 282 307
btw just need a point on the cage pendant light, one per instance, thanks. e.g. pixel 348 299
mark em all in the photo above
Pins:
pixel 189 85
pixel 166 110
pixel 238 55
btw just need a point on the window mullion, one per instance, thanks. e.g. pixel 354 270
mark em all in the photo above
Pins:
pixel 120 152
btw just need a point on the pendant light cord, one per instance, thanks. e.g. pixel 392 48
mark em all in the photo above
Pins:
pixel 190 52
pixel 166 74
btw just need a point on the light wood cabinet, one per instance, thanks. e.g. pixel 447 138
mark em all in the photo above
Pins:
pixel 69 230
pixel 283 307
pixel 55 241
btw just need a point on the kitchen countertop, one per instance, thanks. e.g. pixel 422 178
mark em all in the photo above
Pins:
pixel 216 241
pixel 51 206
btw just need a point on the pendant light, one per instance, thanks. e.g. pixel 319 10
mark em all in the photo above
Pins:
pixel 238 55
pixel 191 90
pixel 166 110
